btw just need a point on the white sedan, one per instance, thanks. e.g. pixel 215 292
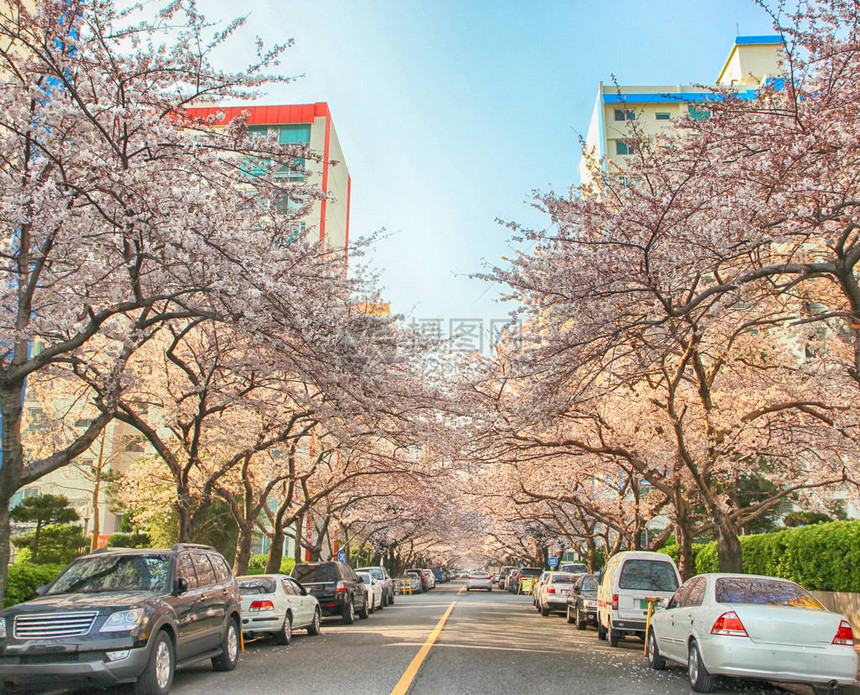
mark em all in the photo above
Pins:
pixel 275 604
pixel 374 591
pixel 752 627
pixel 479 580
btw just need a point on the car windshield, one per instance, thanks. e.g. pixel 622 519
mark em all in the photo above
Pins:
pixel 256 585
pixel 364 577
pixel 563 578
pixel 478 575
pixel 769 592
pixel 102 573
pixel 576 568
pixel 376 573
pixel 648 575
pixel 315 573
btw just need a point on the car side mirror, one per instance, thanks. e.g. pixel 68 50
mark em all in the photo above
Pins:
pixel 672 603
pixel 180 585
pixel 41 589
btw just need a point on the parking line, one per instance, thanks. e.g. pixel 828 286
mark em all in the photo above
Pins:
pixel 410 673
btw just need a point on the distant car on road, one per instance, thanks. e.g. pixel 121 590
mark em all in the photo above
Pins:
pixel 573 567
pixel 479 580
pixel 523 573
pixel 382 575
pixel 275 604
pixel 582 601
pixel 337 588
pixel 120 615
pixel 419 582
pixel 752 627
pixel 504 572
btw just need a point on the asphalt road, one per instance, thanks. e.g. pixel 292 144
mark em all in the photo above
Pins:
pixel 491 643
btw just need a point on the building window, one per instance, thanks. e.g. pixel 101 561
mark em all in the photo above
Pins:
pixel 664 116
pixel 622 147
pixel 625 115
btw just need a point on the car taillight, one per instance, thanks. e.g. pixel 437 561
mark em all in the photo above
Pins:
pixel 844 634
pixel 340 586
pixel 550 590
pixel 615 602
pixel 729 624
pixel 262 606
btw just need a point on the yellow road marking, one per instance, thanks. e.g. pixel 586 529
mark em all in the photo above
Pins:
pixel 410 673
pixel 462 589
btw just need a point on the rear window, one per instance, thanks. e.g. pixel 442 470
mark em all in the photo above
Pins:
pixel 530 572
pixel 478 575
pixel 256 585
pixel 315 573
pixel 648 575
pixel 576 568
pixel 563 578
pixel 589 584
pixel 765 592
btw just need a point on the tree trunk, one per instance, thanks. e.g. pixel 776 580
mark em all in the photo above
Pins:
pixel 729 549
pixel 243 549
pixel 684 537
pixel 5 533
pixel 592 553
pixel 297 551
pixel 97 484
pixel 183 511
pixel 276 550
pixel 11 465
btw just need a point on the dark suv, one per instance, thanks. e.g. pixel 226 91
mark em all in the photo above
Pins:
pixel 124 616
pixel 337 588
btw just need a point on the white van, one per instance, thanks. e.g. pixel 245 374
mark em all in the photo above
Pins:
pixel 629 578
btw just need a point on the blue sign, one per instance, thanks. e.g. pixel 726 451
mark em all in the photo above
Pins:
pixel 553 561
pixel 341 556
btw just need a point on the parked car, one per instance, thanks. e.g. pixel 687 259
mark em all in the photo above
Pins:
pixel 418 580
pixel 337 588
pixel 512 580
pixel 629 579
pixel 555 589
pixel 374 590
pixel 573 568
pixel 439 575
pixel 523 573
pixel 431 580
pixel 537 587
pixel 479 580
pixel 582 601
pixel 275 604
pixel 121 615
pixel 752 627
pixel 382 575
pixel 503 574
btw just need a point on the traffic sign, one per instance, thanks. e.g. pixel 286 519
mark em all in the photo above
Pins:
pixel 341 556
pixel 553 561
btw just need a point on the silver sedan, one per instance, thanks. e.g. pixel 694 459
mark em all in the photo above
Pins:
pixel 752 627
pixel 479 580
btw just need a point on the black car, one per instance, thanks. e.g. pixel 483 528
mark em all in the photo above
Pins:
pixel 124 616
pixel 582 601
pixel 337 588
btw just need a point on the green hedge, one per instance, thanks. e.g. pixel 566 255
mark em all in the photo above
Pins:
pixel 257 564
pixel 25 578
pixel 822 557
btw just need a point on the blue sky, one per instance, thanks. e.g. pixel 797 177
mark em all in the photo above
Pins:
pixel 451 112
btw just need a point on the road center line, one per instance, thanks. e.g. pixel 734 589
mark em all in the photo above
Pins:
pixel 410 673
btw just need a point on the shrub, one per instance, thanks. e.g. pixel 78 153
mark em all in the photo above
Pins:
pixel 58 543
pixel 257 564
pixel 130 540
pixel 24 578
pixel 822 557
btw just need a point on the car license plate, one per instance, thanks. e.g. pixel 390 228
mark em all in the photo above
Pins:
pixel 564 592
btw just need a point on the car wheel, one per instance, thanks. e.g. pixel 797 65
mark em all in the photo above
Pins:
pixel 468 589
pixel 381 603
pixel 158 675
pixel 489 588
pixel 601 631
pixel 229 656
pixel 384 599
pixel 314 627
pixel 580 621
pixel 349 613
pixel 652 653
pixel 544 611
pixel 819 689
pixel 285 634
pixel 569 616
pixel 700 680
pixel 391 598
pixel 365 612
pixel 614 636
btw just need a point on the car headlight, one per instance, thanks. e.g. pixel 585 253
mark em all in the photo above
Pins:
pixel 2 628
pixel 123 621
